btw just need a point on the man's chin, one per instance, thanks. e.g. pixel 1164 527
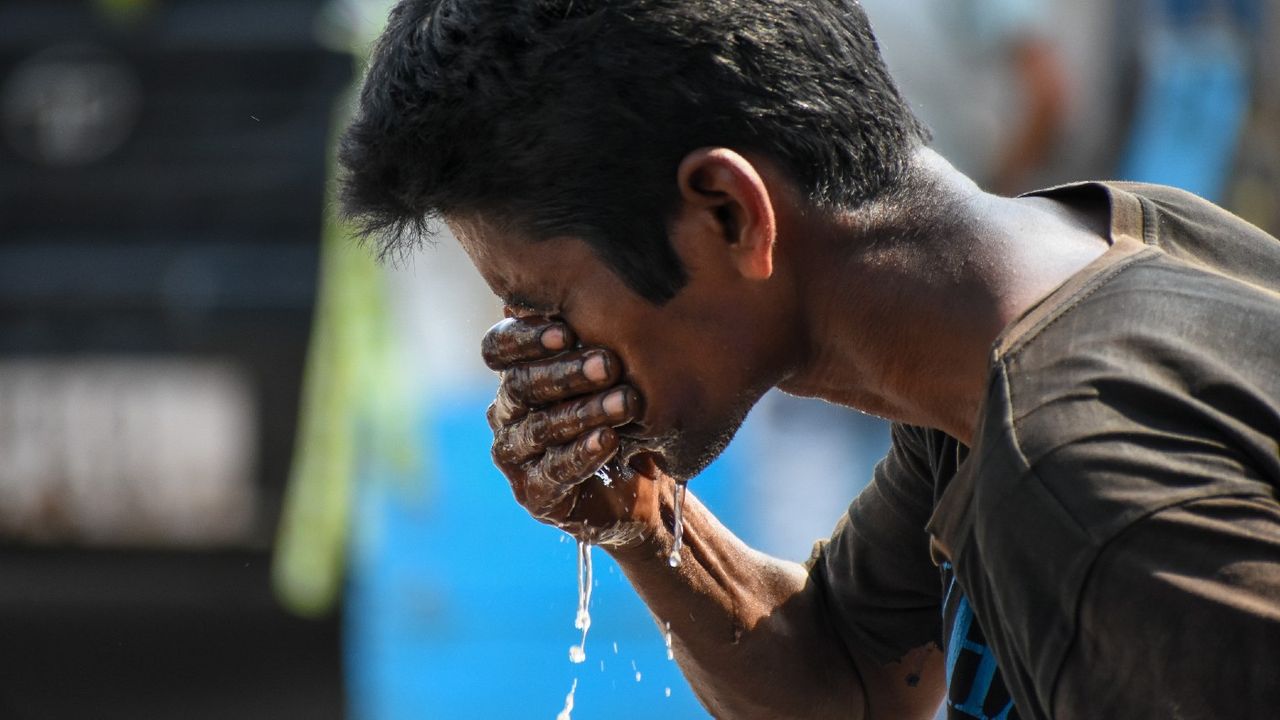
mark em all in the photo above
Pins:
pixel 681 456
pixel 644 455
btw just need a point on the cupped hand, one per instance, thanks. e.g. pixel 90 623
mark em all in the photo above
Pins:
pixel 553 423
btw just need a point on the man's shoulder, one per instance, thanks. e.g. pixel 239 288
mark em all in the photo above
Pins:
pixel 1166 196
pixel 1184 226
pixel 1165 359
pixel 1186 278
pixel 1176 324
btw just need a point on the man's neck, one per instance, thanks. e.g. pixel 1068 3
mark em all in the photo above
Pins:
pixel 903 300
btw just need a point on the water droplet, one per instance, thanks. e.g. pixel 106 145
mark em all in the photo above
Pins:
pixel 582 620
pixel 605 477
pixel 667 691
pixel 568 702
pixel 666 637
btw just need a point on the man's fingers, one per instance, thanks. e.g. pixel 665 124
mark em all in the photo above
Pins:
pixel 549 381
pixel 574 462
pixel 525 439
pixel 504 410
pixel 564 422
pixel 547 488
pixel 533 384
pixel 516 340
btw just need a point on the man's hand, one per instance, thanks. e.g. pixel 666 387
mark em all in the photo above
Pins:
pixel 552 423
pixel 750 632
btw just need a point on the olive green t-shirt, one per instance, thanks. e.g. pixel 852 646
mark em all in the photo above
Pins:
pixel 1110 545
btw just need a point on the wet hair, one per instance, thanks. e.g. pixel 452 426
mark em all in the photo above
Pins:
pixel 571 117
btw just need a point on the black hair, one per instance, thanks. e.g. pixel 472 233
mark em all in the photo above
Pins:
pixel 570 117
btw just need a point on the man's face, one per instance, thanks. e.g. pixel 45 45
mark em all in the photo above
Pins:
pixel 699 362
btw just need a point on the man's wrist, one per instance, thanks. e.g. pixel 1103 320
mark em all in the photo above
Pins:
pixel 653 540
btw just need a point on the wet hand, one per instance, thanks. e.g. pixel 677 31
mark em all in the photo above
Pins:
pixel 553 423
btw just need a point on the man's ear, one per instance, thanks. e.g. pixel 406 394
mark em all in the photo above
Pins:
pixel 727 194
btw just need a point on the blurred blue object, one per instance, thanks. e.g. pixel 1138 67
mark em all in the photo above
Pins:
pixel 460 605
pixel 1195 95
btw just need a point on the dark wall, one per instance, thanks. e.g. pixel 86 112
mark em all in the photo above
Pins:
pixel 162 179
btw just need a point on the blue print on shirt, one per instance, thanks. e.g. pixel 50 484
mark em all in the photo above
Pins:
pixel 974 686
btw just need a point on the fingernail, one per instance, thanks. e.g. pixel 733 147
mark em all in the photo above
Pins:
pixel 553 338
pixel 593 441
pixel 595 368
pixel 615 402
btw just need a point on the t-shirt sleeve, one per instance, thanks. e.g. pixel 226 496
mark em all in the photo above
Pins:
pixel 881 589
pixel 1183 611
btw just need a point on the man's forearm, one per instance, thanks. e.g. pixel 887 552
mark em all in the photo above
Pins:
pixel 749 630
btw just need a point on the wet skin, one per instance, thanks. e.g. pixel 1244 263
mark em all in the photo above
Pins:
pixel 554 420
pixel 591 372
pixel 568 405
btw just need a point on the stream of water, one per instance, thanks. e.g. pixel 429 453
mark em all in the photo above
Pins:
pixel 678 529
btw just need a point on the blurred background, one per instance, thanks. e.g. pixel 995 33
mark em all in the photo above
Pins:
pixel 244 469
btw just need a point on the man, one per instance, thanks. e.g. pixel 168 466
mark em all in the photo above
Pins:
pixel 686 202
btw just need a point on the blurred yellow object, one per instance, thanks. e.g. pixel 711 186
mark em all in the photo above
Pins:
pixel 125 10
